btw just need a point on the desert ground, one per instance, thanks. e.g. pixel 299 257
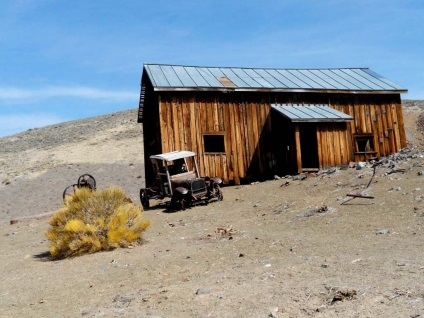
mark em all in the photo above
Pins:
pixel 280 248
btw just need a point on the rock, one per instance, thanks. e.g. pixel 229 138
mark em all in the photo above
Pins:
pixel 382 232
pixel 273 313
pixel 300 177
pixel 420 173
pixel 331 170
pixel 324 265
pixel 344 166
pixel 361 165
pixel 203 291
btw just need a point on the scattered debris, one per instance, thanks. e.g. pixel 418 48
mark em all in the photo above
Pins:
pixel 225 232
pixel 177 223
pixel 395 171
pixel 316 211
pixel 356 195
pixel 344 294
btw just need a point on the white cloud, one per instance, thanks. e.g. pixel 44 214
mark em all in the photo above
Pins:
pixel 13 93
pixel 12 124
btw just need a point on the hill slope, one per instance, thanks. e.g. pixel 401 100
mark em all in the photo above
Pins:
pixel 282 248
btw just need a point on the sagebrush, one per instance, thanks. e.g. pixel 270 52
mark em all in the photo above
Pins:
pixel 93 221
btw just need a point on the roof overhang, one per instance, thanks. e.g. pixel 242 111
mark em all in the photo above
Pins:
pixel 310 113
pixel 276 90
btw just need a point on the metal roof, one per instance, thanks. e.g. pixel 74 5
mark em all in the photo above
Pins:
pixel 177 77
pixel 310 112
pixel 174 155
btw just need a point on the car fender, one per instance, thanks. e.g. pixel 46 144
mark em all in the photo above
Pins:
pixel 216 180
pixel 181 190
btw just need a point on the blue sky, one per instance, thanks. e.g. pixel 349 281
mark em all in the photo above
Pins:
pixel 65 60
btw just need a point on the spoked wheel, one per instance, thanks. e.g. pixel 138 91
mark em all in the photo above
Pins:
pixel 87 181
pixel 144 198
pixel 70 190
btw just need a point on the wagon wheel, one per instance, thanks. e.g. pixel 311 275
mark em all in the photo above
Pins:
pixel 144 198
pixel 87 181
pixel 218 192
pixel 70 190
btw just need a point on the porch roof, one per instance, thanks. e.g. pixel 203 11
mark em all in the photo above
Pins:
pixel 311 113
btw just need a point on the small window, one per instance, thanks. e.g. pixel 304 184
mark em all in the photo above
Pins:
pixel 364 143
pixel 214 143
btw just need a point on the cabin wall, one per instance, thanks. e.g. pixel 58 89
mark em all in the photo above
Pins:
pixel 379 116
pixel 255 143
pixel 152 140
pixel 243 125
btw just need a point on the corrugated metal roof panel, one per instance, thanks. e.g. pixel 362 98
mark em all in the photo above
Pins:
pixel 285 83
pixel 184 76
pixel 199 80
pixel 304 78
pixel 233 77
pixel 383 79
pixel 250 82
pixel 310 113
pixel 174 77
pixel 171 76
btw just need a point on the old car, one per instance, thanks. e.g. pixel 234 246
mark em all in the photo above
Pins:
pixel 177 177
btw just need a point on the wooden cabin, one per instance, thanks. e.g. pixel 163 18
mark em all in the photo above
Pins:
pixel 253 123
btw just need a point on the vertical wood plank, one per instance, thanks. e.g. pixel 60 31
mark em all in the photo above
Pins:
pixel 391 137
pixel 320 148
pixel 336 147
pixel 384 122
pixel 298 151
pixel 163 125
pixel 401 125
pixel 396 128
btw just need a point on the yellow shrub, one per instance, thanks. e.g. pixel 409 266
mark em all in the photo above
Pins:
pixel 93 221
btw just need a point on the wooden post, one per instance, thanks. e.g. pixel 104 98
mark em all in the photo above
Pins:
pixel 298 151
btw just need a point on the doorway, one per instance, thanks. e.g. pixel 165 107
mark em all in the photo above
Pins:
pixel 309 146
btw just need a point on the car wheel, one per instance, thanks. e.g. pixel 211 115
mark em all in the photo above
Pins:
pixel 144 198
pixel 218 192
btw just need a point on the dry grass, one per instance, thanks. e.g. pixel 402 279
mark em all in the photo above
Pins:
pixel 93 221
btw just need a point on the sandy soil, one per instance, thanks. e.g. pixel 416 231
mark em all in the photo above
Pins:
pixel 286 248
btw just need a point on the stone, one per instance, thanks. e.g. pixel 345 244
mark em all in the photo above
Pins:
pixel 203 291
pixel 382 232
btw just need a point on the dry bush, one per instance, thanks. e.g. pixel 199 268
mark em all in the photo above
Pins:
pixel 93 221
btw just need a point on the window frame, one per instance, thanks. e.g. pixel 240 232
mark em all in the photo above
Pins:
pixel 364 137
pixel 214 134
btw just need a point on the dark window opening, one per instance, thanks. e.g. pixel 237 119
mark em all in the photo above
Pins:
pixel 214 143
pixel 364 143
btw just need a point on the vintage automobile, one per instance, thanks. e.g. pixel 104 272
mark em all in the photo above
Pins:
pixel 177 177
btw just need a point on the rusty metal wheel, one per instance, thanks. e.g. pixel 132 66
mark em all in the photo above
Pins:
pixel 70 190
pixel 87 181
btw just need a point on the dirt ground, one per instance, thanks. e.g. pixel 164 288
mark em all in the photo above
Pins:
pixel 281 248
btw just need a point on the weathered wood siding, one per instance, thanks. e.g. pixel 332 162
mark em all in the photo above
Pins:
pixel 379 115
pixel 185 119
pixel 256 144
